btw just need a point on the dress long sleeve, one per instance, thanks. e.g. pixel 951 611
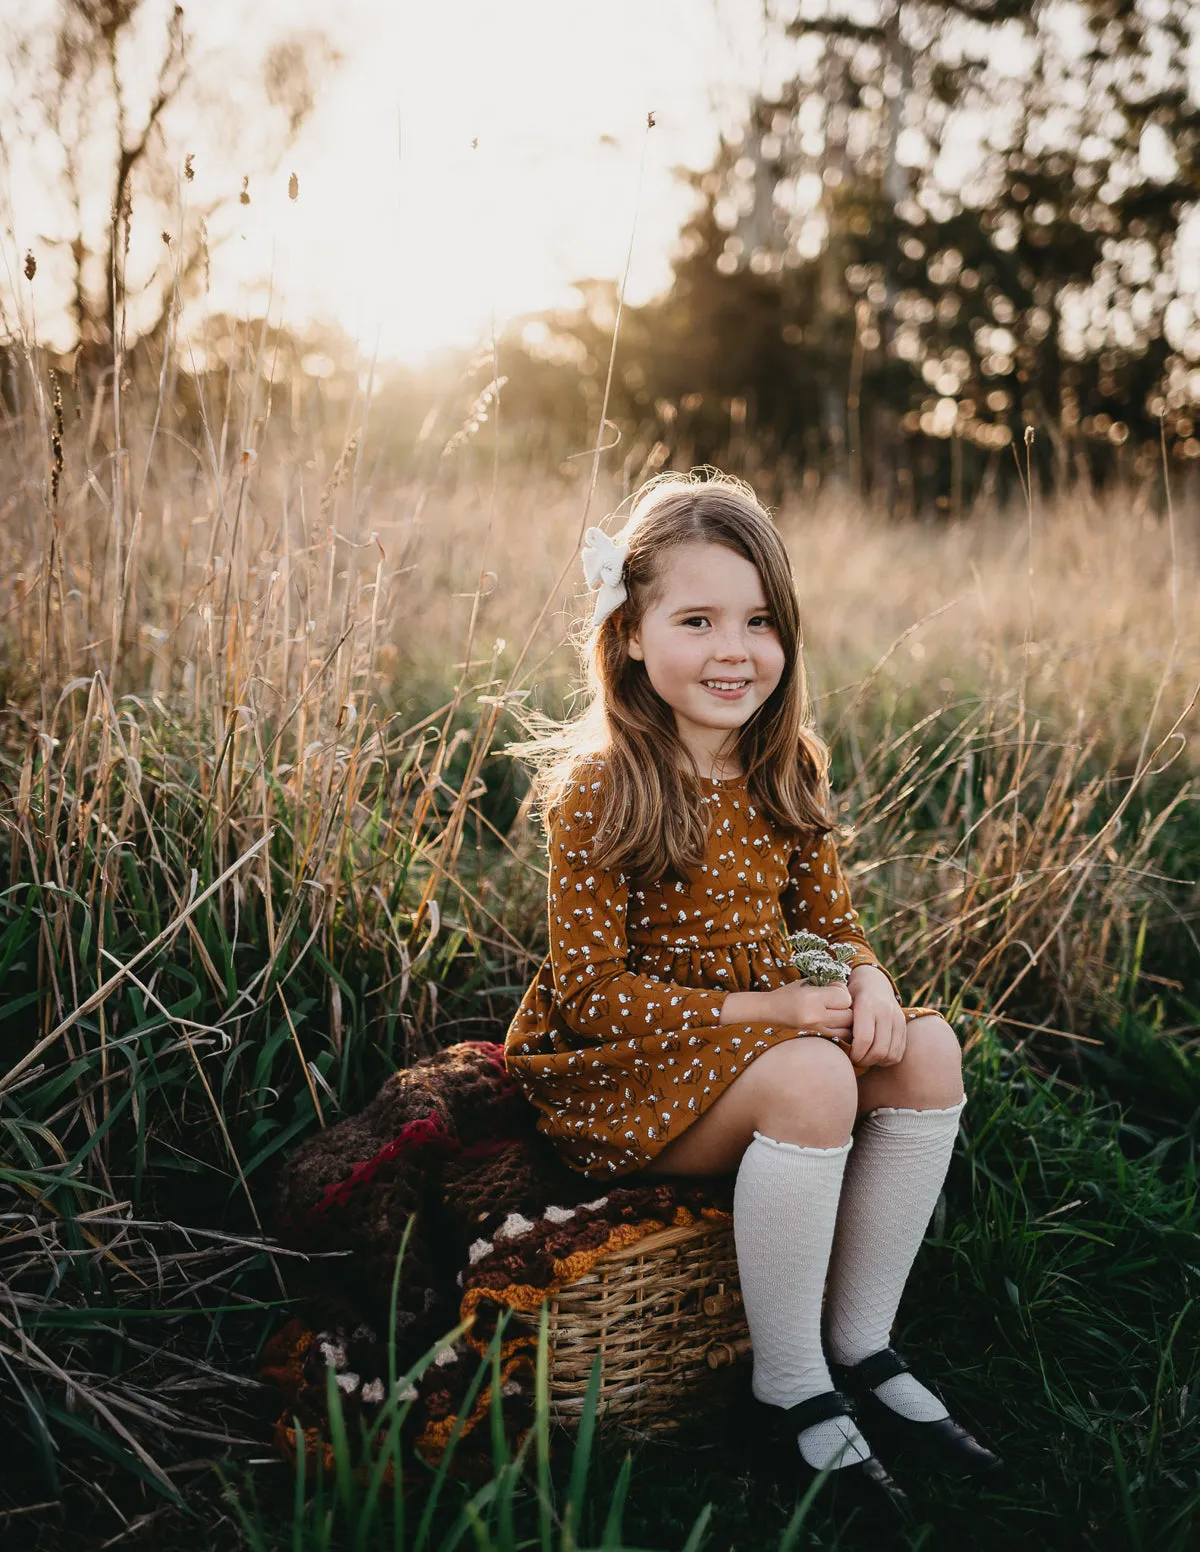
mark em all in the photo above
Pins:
pixel 600 996
pixel 817 899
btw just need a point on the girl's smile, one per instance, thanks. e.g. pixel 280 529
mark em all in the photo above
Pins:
pixel 709 645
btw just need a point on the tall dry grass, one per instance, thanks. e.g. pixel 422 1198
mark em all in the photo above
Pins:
pixel 283 681
pixel 262 847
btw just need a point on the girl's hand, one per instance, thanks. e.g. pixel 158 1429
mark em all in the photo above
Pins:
pixel 880 1028
pixel 809 1007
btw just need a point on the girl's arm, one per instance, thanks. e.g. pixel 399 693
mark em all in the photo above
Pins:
pixel 599 997
pixel 817 899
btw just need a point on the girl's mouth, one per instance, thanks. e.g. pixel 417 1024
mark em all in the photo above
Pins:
pixel 726 689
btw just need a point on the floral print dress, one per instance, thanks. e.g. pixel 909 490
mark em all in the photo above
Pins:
pixel 618 1042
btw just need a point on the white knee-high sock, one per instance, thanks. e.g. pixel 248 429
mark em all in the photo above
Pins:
pixel 891 1187
pixel 785 1202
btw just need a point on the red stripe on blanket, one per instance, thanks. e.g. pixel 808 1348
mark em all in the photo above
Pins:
pixel 489 1048
pixel 424 1132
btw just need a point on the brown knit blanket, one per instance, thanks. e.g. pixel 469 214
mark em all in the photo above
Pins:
pixel 500 1222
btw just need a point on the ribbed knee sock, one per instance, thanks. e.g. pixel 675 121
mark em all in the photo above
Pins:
pixel 785 1202
pixel 890 1189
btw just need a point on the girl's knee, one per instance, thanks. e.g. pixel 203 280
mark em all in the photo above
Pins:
pixel 808 1092
pixel 930 1071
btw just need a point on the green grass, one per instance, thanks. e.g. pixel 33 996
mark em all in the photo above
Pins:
pixel 1056 1299
pixel 245 882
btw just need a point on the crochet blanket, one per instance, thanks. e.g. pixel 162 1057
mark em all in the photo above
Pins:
pixel 499 1222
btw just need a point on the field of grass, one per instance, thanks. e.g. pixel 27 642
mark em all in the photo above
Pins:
pixel 263 845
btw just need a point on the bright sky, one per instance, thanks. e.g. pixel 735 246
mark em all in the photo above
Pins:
pixel 401 229
pixel 403 232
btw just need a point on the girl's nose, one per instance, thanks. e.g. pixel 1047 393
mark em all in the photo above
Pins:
pixel 732 645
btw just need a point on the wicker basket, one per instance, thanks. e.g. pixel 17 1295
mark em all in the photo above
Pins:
pixel 666 1316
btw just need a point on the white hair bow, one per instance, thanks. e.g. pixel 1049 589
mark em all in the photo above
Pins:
pixel 603 566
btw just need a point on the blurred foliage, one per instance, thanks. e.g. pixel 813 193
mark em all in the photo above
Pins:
pixel 954 222
pixel 119 89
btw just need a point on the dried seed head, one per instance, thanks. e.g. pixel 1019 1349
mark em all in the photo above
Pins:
pixel 30 265
pixel 340 469
pixel 166 237
pixel 476 416
pixel 56 439
pixel 650 119
pixel 293 187
pixel 189 171
pixel 244 196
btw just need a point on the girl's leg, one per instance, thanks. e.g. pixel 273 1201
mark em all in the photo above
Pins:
pixel 902 1147
pixel 784 1123
pixel 801 1091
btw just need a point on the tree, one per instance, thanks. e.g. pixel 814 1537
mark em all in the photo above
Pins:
pixel 847 302
pixel 109 92
pixel 1036 288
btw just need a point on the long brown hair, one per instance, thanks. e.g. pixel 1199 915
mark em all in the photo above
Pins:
pixel 652 822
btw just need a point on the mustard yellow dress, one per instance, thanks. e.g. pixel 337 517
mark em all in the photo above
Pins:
pixel 618 1041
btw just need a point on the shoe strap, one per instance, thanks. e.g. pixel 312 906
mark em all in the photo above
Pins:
pixel 880 1366
pixel 819 1409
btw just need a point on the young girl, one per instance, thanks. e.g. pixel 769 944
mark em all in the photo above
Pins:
pixel 667 1032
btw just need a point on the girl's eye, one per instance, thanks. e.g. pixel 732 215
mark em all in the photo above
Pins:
pixel 762 619
pixel 696 619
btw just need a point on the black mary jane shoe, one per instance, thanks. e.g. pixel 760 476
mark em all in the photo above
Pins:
pixel 866 1484
pixel 943 1443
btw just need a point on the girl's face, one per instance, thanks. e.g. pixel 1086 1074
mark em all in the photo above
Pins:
pixel 709 645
